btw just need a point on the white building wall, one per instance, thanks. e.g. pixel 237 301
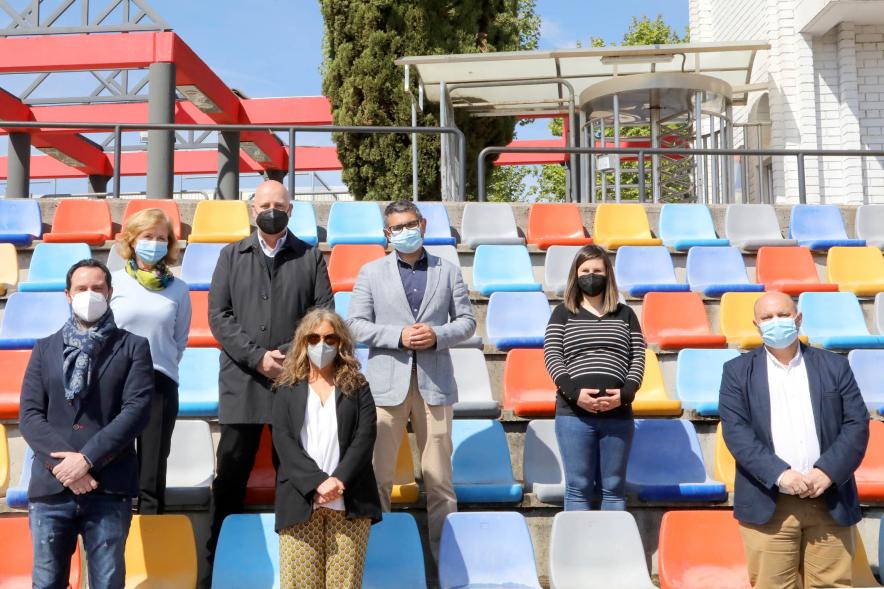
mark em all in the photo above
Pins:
pixel 870 87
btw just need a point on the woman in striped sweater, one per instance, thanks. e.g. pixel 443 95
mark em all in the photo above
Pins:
pixel 595 352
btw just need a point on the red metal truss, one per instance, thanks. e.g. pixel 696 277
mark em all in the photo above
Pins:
pixel 528 159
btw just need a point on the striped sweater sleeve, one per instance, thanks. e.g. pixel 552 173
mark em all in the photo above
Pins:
pixel 636 371
pixel 554 353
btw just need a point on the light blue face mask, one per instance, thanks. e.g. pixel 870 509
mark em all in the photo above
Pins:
pixel 779 332
pixel 151 252
pixel 407 241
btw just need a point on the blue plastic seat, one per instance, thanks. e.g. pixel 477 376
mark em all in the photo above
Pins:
pixel 834 320
pixel 199 263
pixel 666 463
pixel 248 552
pixel 485 549
pixel 30 316
pixel 698 378
pixel 198 384
pixel 714 271
pixel 438 225
pixel 517 319
pixel 481 467
pixel 868 370
pixel 17 497
pixel 819 227
pixel 503 268
pixel 342 303
pixel 683 226
pixel 641 269
pixel 50 263
pixel 355 222
pixel 20 221
pixel 395 557
pixel 302 222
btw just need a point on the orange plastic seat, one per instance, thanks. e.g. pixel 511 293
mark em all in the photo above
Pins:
pixel 405 489
pixel 261 488
pixel 13 364
pixel 200 335
pixel 528 390
pixel 18 555
pixel 168 206
pixel 555 224
pixel 790 270
pixel 870 474
pixel 347 259
pixel 86 221
pixel 675 320
pixel 651 398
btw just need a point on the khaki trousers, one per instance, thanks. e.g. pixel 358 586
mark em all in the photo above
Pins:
pixel 801 536
pixel 432 428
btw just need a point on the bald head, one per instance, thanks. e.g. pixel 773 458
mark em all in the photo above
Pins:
pixel 774 304
pixel 271 194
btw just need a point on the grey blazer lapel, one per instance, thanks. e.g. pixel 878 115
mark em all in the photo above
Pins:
pixel 434 270
pixel 396 289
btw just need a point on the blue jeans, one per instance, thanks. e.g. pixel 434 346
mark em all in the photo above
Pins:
pixel 103 521
pixel 594 453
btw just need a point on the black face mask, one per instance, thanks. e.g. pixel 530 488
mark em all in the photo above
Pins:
pixel 272 221
pixel 592 284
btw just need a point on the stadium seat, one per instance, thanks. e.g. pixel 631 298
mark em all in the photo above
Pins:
pixel 643 269
pixel 50 263
pixel 13 364
pixel 859 270
pixel 302 222
pixel 616 225
pixel 698 378
pixel 489 223
pixel 528 390
pixel 674 320
pixel 503 268
pixel 200 335
pixel 446 252
pixel 736 315
pixel 701 549
pixel 220 221
pixel 248 552
pixel 683 226
pixel 114 261
pixel 819 227
pixel 160 552
pixel 714 271
pixel 666 463
pixel 20 221
pixel 29 316
pixel 868 370
pixel 395 556
pixel 191 465
pixel 517 319
pixel 8 267
pixel 468 560
pixel 76 221
pixel 438 226
pixel 198 264
pixel 4 461
pixel 834 320
pixel 556 267
pixel 474 397
pixel 261 488
pixel 17 496
pixel 617 557
pixel 790 270
pixel 481 467
pixel 346 260
pixel 724 467
pixel 168 206
pixel 405 489
pixel 869 225
pixel 356 223
pixel 556 224
pixel 870 474
pixel 198 382
pixel 752 226
pixel 651 398
pixel 342 303
pixel 542 467
pixel 17 549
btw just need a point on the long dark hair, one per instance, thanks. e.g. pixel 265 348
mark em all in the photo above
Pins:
pixel 573 294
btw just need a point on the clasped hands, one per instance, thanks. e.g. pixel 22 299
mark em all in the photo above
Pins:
pixel 271 364
pixel 328 490
pixel 588 402
pixel 73 472
pixel 810 485
pixel 419 336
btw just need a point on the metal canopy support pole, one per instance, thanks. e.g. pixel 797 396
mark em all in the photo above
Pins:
pixel 584 159
pixel 98 184
pixel 762 196
pixel 589 141
pixel 161 144
pixel 699 180
pixel 604 172
pixel 655 159
pixel 617 145
pixel 228 165
pixel 714 161
pixel 291 166
pixel 574 160
pixel 727 139
pixel 414 169
pixel 18 175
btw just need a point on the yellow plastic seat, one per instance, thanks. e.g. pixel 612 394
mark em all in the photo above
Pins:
pixel 220 221
pixel 736 316
pixel 405 489
pixel 859 270
pixel 8 267
pixel 160 553
pixel 617 225
pixel 651 399
pixel 724 464
pixel 4 461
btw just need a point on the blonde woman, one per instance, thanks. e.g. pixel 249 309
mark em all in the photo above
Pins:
pixel 324 427
pixel 150 302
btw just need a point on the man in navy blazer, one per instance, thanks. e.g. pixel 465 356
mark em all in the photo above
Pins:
pixel 795 422
pixel 84 400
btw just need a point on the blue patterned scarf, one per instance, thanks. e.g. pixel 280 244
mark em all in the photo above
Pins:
pixel 81 348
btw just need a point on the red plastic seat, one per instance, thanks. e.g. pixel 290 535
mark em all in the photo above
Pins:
pixel 555 224
pixel 86 221
pixel 13 364
pixel 346 260
pixel 790 270
pixel 261 488
pixel 870 474
pixel 675 320
pixel 170 207
pixel 528 391
pixel 200 335
pixel 18 555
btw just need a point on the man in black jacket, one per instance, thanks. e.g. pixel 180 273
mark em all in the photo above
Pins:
pixel 85 398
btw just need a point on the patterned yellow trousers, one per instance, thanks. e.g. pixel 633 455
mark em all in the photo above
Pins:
pixel 325 552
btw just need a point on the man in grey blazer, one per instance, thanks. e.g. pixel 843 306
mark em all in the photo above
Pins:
pixel 409 308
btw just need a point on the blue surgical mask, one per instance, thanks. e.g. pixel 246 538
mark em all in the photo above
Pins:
pixel 407 241
pixel 779 332
pixel 151 252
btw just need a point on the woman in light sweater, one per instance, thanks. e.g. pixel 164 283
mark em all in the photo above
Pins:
pixel 148 301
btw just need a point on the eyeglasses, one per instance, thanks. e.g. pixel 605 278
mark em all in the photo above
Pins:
pixel 331 339
pixel 397 229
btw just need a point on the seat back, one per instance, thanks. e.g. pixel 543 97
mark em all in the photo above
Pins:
pixel 517 319
pixel 82 216
pixel 199 263
pixel 528 388
pixel 870 223
pixel 643 265
pixel 220 221
pixel 701 549
pixel 665 452
pixel 394 557
pixel 161 552
pixel 503 267
pixel 50 263
pixel 356 222
pixel 541 459
pixel 13 364
pixel 751 221
pixel 866 367
pixel 33 315
pixel 261 487
pixel 302 222
pixel 248 552
pixel 168 206
pixel 191 463
pixel 826 314
pixel 698 377
pixel 554 223
pixel 446 252
pixel 347 260
pixel 736 315
pixel 4 461
pixel 480 454
pixel 488 223
pixel 791 265
pixel 724 467
pixel 620 221
pixel 651 397
pixel 685 221
pixel 879 313
pixel 20 220
pixel 471 375
pixel 438 226
pixel 342 303
pixel 709 266
pixel 857 269
pixel 870 474
pixel 8 267
pixel 198 382
pixel 556 267
pixel 814 222
pixel 673 313
pixel 200 335
pixel 17 549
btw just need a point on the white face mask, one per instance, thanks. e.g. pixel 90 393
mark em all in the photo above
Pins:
pixel 88 306
pixel 321 354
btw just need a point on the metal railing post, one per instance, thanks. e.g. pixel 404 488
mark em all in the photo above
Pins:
pixel 291 166
pixel 802 189
pixel 118 148
pixel 641 176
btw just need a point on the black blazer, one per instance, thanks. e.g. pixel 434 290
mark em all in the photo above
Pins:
pixel 249 314
pixel 104 423
pixel 298 474
pixel 842 426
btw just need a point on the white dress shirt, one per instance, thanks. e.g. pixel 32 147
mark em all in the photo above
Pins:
pixel 319 436
pixel 271 252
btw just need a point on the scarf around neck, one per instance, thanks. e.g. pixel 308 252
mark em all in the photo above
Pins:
pixel 157 279
pixel 81 349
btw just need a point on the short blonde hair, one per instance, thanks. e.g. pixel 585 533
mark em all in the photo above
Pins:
pixel 142 221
